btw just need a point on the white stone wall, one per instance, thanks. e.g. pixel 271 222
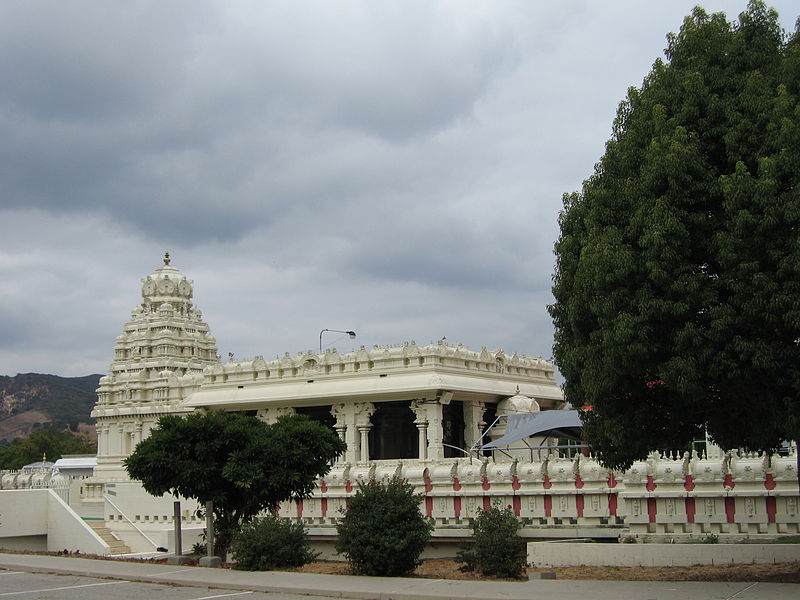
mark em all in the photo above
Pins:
pixel 560 554
pixel 31 516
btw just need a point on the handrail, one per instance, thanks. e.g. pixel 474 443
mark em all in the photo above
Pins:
pixel 467 452
pixel 119 511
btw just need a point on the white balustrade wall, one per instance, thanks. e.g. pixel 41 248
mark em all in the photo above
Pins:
pixel 665 496
pixel 736 496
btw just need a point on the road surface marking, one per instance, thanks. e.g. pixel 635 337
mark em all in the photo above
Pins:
pixel 68 587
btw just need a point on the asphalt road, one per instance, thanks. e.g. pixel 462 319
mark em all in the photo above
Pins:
pixel 18 584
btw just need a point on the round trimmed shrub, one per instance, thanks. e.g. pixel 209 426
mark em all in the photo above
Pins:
pixel 383 531
pixel 498 550
pixel 271 543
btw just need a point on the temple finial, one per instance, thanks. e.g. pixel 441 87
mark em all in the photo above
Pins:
pixel 166 258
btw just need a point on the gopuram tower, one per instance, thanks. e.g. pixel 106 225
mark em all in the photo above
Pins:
pixel 158 362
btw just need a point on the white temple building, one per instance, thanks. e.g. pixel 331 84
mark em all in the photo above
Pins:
pixel 409 411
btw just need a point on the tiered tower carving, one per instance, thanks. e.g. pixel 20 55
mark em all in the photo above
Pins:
pixel 158 361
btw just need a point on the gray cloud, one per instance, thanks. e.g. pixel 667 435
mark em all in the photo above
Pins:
pixel 392 167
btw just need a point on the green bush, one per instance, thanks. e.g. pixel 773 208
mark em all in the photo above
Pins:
pixel 383 531
pixel 199 549
pixel 498 550
pixel 271 543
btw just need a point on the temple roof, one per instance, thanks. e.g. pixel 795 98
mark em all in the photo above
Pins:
pixel 397 386
pixel 383 373
pixel 166 284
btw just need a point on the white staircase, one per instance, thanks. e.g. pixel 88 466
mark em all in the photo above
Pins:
pixel 116 545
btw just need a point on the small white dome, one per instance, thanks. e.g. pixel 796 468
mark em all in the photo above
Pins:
pixel 166 282
pixel 517 404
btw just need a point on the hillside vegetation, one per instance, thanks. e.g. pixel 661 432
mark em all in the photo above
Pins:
pixel 51 444
pixel 33 401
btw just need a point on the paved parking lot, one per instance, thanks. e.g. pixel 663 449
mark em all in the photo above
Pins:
pixel 58 577
pixel 18 584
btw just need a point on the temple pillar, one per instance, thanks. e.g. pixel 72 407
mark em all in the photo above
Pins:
pixel 273 413
pixel 360 431
pixel 435 431
pixel 138 436
pixel 353 442
pixel 421 421
pixel 101 440
pixel 473 421
pixel 120 441
pixel 339 412
pixel 106 439
pixel 363 430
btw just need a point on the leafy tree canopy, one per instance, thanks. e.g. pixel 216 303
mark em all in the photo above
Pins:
pixel 677 281
pixel 50 443
pixel 240 463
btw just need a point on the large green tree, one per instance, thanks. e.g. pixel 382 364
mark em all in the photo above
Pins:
pixel 240 463
pixel 677 283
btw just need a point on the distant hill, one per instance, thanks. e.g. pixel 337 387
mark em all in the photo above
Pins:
pixel 31 401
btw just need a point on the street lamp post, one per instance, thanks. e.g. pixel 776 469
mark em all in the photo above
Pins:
pixel 352 335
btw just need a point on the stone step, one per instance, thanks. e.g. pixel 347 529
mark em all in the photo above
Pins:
pixel 115 545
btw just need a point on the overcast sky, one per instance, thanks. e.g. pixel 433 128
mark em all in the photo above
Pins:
pixel 395 168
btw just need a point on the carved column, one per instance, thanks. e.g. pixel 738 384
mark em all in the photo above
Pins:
pixel 473 421
pixel 120 445
pixel 363 430
pixel 107 440
pixel 102 440
pixel 271 414
pixel 138 437
pixel 338 411
pixel 421 421
pixel 351 434
pixel 363 412
pixel 435 430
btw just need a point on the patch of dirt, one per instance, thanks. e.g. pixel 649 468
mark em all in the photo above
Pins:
pixel 448 569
